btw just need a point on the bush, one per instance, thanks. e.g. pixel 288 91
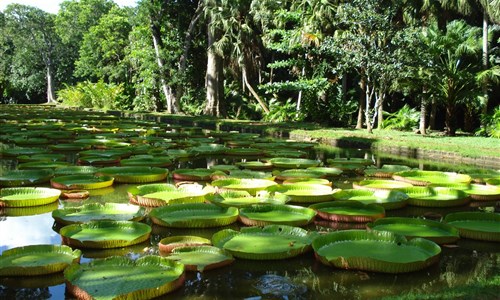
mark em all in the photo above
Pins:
pixel 491 124
pixel 406 118
pixel 98 95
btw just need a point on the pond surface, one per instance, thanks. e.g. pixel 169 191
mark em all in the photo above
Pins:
pixel 301 277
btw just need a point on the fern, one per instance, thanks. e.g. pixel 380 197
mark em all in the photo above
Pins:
pixel 404 119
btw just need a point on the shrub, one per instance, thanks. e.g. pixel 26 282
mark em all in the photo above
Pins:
pixel 491 124
pixel 404 119
pixel 98 95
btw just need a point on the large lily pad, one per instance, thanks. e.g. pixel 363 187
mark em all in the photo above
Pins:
pixel 298 173
pixel 410 227
pixel 161 194
pixel 28 196
pixel 149 161
pixel 478 192
pixel 322 181
pixel 201 258
pixel 243 184
pixel 25 177
pixel 37 165
pixel 198 174
pixel 255 165
pixel 75 170
pixel 435 196
pixel 99 212
pixel 388 199
pixel 349 161
pixel 168 244
pixel 81 182
pixel 424 178
pixel 327 171
pixel 42 157
pixel 378 251
pixel 121 278
pixel 262 215
pixel 294 163
pixel 105 234
pixel 193 215
pixel 268 243
pixel 304 193
pixel 349 211
pixel 243 199
pixel 476 225
pixel 135 174
pixel 374 185
pixel 386 171
pixel 36 260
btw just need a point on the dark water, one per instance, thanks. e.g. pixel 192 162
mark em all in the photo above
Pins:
pixel 302 277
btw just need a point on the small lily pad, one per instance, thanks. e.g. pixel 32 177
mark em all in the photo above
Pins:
pixel 201 258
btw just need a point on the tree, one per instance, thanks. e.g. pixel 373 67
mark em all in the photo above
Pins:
pixel 35 42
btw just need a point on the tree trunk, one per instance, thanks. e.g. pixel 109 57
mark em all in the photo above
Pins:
pixel 423 112
pixel 50 85
pixel 368 98
pixel 361 103
pixel 432 117
pixel 214 80
pixel 252 91
pixel 450 119
pixel 380 115
pixel 485 61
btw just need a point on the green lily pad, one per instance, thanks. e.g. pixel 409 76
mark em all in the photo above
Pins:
pixel 121 278
pixel 327 171
pixel 75 170
pixel 476 225
pixel 244 152
pixel 165 194
pixel 135 174
pixel 28 210
pixel 424 178
pixel 243 199
pixel 249 174
pixel 28 196
pixel 105 234
pixel 388 199
pixel 349 161
pixel 198 174
pixel 478 192
pixel 37 165
pixel 304 193
pixel 209 149
pixel 201 258
pixel 493 181
pixel 41 157
pixel 382 184
pixel 99 212
pixel 100 161
pixel 410 227
pixel 36 260
pixel 168 244
pixel 249 185
pixel 154 161
pixel 349 211
pixel 262 215
pixel 14 152
pixel 378 251
pixel 270 242
pixel 69 147
pixel 293 163
pixel 298 173
pixel 435 196
pixel 255 165
pixel 81 182
pixel 386 171
pixel 300 180
pixel 224 168
pixel 193 215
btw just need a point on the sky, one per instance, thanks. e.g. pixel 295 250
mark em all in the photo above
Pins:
pixel 52 6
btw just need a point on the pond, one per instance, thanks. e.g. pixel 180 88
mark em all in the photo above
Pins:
pixel 303 277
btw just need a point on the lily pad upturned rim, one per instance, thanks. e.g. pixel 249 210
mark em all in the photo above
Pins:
pixel 215 216
pixel 135 174
pixel 198 174
pixel 81 182
pixel 167 244
pixel 353 238
pixel 250 185
pixel 425 196
pixel 69 232
pixel 464 222
pixel 241 199
pixel 207 257
pixel 295 241
pixel 28 196
pixel 97 211
pixel 59 257
pixel 172 277
pixel 324 210
pixel 424 178
pixel 449 234
pixel 477 192
pixel 304 193
pixel 380 184
pixel 255 215
pixel 386 171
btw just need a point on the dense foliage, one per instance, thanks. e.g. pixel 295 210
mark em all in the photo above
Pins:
pixel 342 63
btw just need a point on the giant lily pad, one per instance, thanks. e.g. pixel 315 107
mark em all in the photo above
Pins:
pixel 243 184
pixel 244 152
pixel 121 278
pixel 42 157
pixel 268 243
pixel 105 234
pixel 25 177
pixel 386 171
pixel 410 227
pixel 166 194
pixel 168 244
pixel 81 182
pixel 201 258
pixel 242 199
pixel 248 174
pixel 98 212
pixel 37 165
pixel 378 251
pixel 153 161
pixel 134 174
pixel 298 173
pixel 299 180
pixel 37 260
pixel 75 170
pixel 435 196
pixel 374 185
pixel 478 192
pixel 388 199
pixel 262 215
pixel 28 196
pixel 100 161
pixel 293 163
pixel 349 211
pixel 423 178
pixel 349 161
pixel 327 171
pixel 255 165
pixel 304 193
pixel 193 215
pixel 476 225
pixel 198 174
pixel 13 152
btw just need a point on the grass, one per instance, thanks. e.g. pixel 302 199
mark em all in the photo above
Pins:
pixel 468 146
